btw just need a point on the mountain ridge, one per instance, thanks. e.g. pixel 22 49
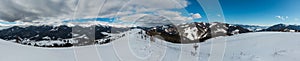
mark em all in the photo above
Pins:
pixel 194 32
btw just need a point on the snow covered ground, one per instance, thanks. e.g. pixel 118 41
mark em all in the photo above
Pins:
pixel 263 46
pixel 259 46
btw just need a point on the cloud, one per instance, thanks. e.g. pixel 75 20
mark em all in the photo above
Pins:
pixel 174 15
pixel 131 18
pixel 196 16
pixel 152 20
pixel 26 10
pixel 140 7
pixel 282 17
pixel 38 11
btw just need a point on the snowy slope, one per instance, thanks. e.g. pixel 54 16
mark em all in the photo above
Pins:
pixel 15 52
pixel 264 46
pixel 260 46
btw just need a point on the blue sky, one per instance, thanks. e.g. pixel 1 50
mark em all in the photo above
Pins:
pixel 260 12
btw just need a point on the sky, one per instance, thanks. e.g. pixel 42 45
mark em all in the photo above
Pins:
pixel 262 12
pixel 254 12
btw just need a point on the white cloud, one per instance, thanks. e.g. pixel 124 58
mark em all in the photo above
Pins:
pixel 282 17
pixel 56 10
pixel 219 15
pixel 151 20
pixel 176 17
pixel 2 20
pixel 196 16
pixel 130 18
pixel 26 10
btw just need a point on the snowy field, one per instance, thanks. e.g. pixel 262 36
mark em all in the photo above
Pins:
pixel 260 46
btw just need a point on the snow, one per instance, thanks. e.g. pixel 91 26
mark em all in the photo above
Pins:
pixel 235 31
pixel 213 24
pixel 4 27
pixel 47 43
pixel 83 36
pixel 220 30
pixel 46 37
pixel 14 52
pixel 264 46
pixel 54 29
pixel 258 46
pixel 191 33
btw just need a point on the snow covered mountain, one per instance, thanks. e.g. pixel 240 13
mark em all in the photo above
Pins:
pixel 149 43
pixel 257 46
pixel 284 28
pixel 254 28
pixel 194 32
pixel 67 36
pixel 58 36
pixel 277 27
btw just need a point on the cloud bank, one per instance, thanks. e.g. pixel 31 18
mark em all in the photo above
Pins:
pixel 37 11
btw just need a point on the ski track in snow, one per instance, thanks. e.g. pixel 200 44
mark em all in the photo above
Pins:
pixel 258 46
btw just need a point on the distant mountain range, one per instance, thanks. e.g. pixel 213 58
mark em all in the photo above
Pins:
pixel 76 35
pixel 252 27
pixel 64 36
pixel 283 28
